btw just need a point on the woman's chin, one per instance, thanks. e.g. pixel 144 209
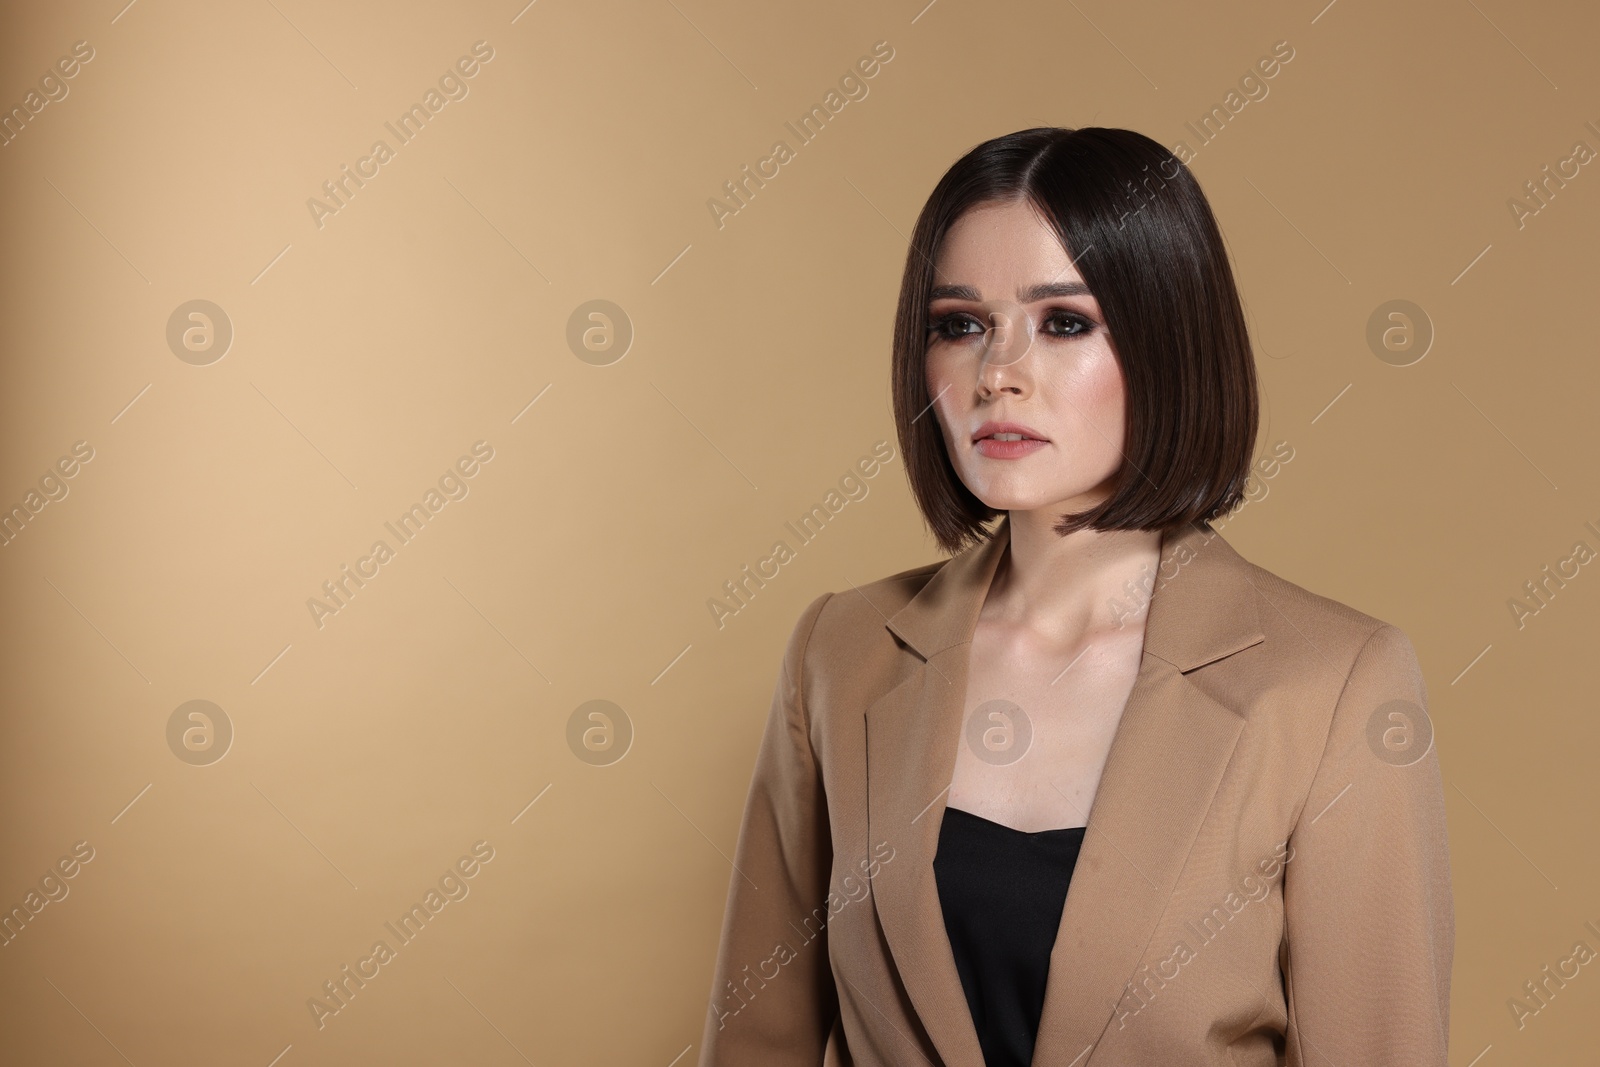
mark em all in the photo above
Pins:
pixel 1018 502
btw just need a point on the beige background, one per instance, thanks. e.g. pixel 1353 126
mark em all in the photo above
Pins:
pixel 428 314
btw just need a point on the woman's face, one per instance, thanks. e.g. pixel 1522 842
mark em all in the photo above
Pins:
pixel 1015 338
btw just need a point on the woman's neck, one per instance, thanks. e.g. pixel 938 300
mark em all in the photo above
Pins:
pixel 1064 587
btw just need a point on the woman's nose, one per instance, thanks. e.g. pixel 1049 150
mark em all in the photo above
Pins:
pixel 1009 336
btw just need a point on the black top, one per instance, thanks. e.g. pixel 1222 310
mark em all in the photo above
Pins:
pixel 1002 891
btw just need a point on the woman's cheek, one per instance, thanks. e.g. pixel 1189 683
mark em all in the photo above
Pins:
pixel 942 396
pixel 1103 398
pixel 1088 405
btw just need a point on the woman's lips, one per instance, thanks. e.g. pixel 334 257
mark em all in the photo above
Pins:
pixel 989 447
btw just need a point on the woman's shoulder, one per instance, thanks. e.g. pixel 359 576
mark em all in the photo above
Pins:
pixel 851 619
pixel 1293 617
pixel 842 641
pixel 858 610
pixel 1306 603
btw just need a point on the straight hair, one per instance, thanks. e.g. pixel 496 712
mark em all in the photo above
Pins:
pixel 1134 222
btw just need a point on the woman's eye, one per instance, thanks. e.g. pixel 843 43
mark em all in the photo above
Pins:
pixel 1066 324
pixel 952 326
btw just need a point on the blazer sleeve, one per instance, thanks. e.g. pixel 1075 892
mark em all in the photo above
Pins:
pixel 1369 922
pixel 773 1000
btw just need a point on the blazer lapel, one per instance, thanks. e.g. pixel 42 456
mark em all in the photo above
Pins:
pixel 1165 763
pixel 912 732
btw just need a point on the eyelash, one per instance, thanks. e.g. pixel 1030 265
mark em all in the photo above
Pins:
pixel 939 325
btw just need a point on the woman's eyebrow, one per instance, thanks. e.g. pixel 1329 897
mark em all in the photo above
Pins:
pixel 1052 289
pixel 1042 291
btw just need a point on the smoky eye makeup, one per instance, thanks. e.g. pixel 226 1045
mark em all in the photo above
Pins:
pixel 954 325
pixel 1055 322
pixel 1070 323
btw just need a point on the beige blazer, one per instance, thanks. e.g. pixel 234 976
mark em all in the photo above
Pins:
pixel 1264 878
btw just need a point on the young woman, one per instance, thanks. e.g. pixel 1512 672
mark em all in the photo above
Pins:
pixel 1097 790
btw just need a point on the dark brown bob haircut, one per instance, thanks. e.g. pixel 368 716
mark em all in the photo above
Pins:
pixel 1135 223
